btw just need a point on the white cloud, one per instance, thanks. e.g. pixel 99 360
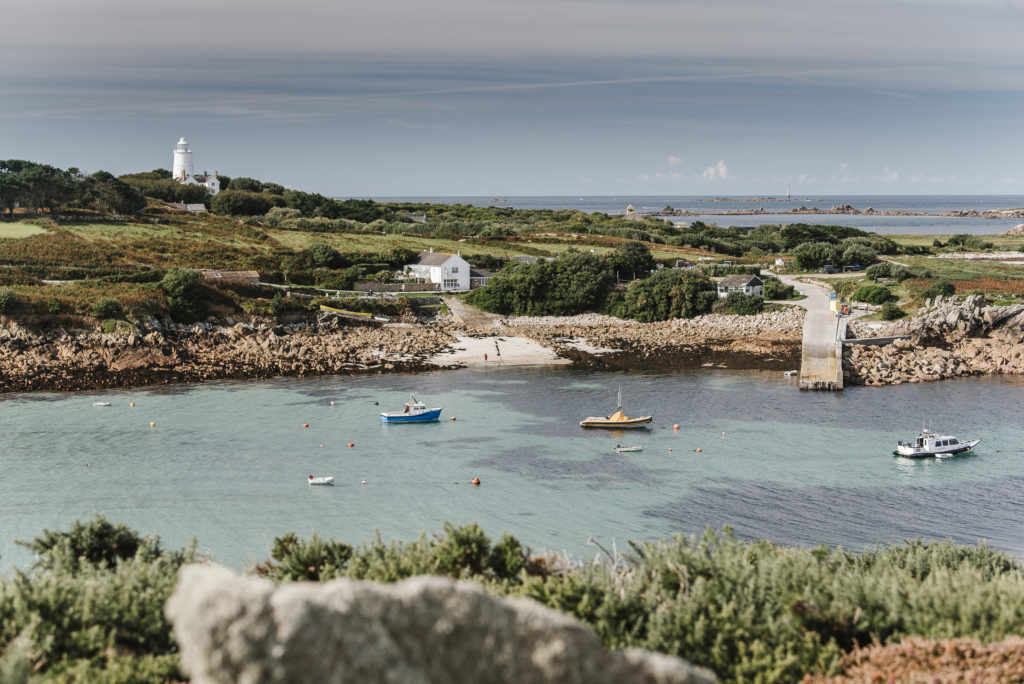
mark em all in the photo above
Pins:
pixel 717 172
pixel 673 160
pixel 887 176
pixel 844 167
pixel 658 176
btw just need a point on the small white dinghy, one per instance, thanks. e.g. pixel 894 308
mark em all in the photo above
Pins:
pixel 321 480
pixel 627 449
pixel 101 403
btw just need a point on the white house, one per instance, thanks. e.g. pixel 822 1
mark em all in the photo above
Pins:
pixel 447 271
pixel 747 284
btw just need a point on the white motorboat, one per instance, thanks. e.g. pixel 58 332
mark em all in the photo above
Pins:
pixel 321 480
pixel 627 449
pixel 791 373
pixel 931 444
pixel 101 403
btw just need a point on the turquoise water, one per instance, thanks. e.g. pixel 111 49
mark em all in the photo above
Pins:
pixel 227 462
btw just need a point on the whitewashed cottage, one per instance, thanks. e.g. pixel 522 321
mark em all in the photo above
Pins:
pixel 447 271
pixel 747 284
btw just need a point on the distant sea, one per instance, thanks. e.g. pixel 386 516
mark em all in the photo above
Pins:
pixel 932 204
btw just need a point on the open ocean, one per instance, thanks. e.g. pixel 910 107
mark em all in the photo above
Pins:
pixel 227 462
pixel 895 225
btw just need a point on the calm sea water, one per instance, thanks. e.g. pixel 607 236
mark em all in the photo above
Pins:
pixel 227 462
pixel 609 204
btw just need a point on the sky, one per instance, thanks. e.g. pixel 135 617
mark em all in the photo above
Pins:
pixel 370 98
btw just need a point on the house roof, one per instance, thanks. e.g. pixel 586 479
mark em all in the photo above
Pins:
pixel 479 273
pixel 433 258
pixel 740 281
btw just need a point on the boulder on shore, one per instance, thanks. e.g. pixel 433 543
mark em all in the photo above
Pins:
pixel 424 629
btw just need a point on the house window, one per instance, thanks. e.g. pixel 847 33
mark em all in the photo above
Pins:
pixel 451 283
pixel 455 269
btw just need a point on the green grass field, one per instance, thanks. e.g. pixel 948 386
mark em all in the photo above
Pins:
pixel 19 230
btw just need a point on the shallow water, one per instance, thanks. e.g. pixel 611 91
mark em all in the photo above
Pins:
pixel 227 462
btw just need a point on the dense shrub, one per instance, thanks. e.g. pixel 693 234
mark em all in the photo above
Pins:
pixel 182 291
pixel 668 293
pixel 324 255
pixel 107 307
pixel 891 312
pixel 887 270
pixel 873 294
pixel 92 607
pixel 8 300
pixel 774 288
pixel 573 283
pixel 743 304
pixel 940 287
pixel 857 254
pixel 241 203
pixel 632 259
pixel 811 256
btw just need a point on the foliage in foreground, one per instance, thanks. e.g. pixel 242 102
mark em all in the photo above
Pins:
pixel 92 608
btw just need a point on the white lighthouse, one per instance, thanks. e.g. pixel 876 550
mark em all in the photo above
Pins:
pixel 182 169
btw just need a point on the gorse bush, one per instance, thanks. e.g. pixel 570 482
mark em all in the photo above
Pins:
pixel 91 609
pixel 107 307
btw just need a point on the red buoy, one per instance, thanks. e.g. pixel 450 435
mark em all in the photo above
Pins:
pixel 305 425
pixel 476 481
pixel 351 444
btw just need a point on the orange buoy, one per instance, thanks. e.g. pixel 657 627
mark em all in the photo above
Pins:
pixel 305 425
pixel 476 481
pixel 676 426
pixel 364 481
pixel 698 450
pixel 351 444
pixel 131 403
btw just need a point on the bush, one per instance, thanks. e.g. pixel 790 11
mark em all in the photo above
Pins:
pixel 743 304
pixel 941 287
pixel 811 256
pixel 182 290
pixel 240 203
pixel 873 294
pixel 8 300
pixel 891 312
pixel 107 307
pixel 859 254
pixel 668 293
pixel 324 255
pixel 775 289
pixel 887 270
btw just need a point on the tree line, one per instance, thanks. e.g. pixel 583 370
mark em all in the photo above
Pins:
pixel 40 187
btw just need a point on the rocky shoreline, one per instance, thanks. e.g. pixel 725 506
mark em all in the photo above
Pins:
pixel 163 353
pixel 951 338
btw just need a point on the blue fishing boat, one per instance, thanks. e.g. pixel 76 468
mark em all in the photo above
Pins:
pixel 414 412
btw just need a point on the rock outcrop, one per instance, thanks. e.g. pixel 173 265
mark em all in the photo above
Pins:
pixel 949 339
pixel 425 629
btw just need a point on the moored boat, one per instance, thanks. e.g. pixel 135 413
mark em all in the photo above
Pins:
pixel 627 449
pixel 617 420
pixel 930 444
pixel 321 480
pixel 414 412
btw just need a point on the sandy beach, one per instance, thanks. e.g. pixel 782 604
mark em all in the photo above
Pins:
pixel 496 351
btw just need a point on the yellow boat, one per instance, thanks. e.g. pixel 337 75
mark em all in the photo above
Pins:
pixel 617 420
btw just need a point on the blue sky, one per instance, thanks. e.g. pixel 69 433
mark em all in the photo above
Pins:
pixel 488 97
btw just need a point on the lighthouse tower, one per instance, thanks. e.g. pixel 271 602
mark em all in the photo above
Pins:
pixel 182 169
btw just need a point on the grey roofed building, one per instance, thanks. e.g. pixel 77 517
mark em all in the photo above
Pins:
pixel 433 258
pixel 747 284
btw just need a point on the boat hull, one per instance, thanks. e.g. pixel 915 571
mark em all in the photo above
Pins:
pixel 640 422
pixel 911 452
pixel 430 416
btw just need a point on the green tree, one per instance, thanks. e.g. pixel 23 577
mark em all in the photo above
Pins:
pixel 774 288
pixel 669 293
pixel 104 192
pixel 245 185
pixel 241 203
pixel 107 307
pixel 183 293
pixel 632 258
pixel 939 287
pixel 859 254
pixel 873 294
pixel 324 255
pixel 811 256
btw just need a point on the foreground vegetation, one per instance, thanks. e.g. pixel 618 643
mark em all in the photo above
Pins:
pixel 91 608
